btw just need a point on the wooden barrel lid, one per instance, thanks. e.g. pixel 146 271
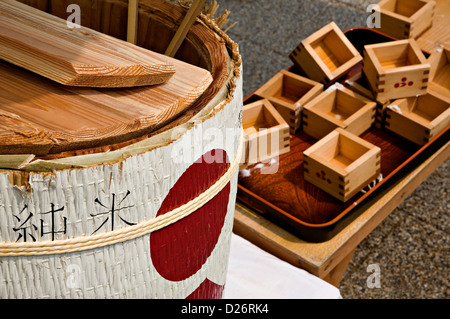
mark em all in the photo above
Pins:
pixel 39 116
pixel 44 44
pixel 50 120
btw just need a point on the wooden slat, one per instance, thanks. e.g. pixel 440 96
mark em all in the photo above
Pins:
pixel 44 44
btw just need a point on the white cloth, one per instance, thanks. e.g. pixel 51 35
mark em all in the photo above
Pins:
pixel 256 274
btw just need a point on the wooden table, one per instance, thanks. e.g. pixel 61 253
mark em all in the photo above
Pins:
pixel 329 260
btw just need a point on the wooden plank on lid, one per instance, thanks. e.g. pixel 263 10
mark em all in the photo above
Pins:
pixel 46 45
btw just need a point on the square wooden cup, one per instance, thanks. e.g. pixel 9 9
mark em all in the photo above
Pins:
pixel 266 132
pixel 405 19
pixel 289 92
pixel 439 81
pixel 419 119
pixel 338 107
pixel 326 55
pixel 396 69
pixel 341 164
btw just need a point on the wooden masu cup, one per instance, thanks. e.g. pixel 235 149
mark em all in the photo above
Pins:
pixel 326 55
pixel 289 92
pixel 404 19
pixel 418 119
pixel 267 133
pixel 439 81
pixel 338 107
pixel 396 69
pixel 342 164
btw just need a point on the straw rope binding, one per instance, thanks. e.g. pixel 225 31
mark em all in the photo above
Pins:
pixel 124 234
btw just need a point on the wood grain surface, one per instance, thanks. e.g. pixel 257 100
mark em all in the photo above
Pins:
pixel 44 44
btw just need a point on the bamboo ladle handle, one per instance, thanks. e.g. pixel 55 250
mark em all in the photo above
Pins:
pixel 133 17
pixel 188 21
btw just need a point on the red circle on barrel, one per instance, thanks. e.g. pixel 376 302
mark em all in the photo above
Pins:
pixel 178 251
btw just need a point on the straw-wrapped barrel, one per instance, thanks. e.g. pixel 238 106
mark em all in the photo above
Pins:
pixel 146 214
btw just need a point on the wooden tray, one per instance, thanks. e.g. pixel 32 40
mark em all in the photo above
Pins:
pixel 308 212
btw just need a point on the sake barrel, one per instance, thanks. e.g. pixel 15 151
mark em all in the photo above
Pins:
pixel 143 210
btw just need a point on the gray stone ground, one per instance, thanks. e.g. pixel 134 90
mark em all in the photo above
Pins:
pixel 412 245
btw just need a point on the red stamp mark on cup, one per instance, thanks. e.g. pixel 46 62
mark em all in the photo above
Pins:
pixel 403 83
pixel 322 175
